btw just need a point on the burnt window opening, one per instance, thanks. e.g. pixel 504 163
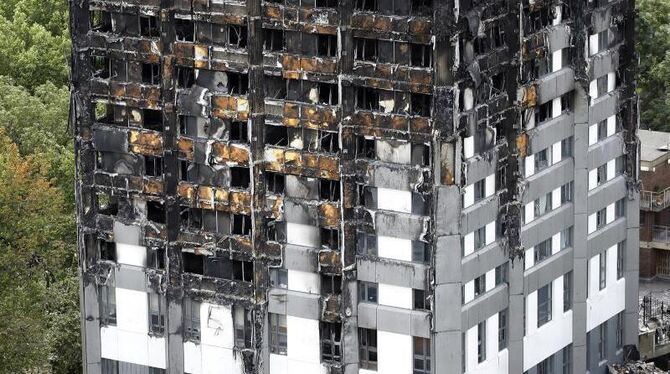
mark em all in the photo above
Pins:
pixel 276 135
pixel 326 45
pixel 421 104
pixel 328 93
pixel 275 182
pixel 543 112
pixel 156 258
pixel 330 238
pixel 243 327
pixel 184 167
pixel 102 67
pixel 152 119
pixel 156 313
pixel 153 166
pixel 370 5
pixel 498 82
pixel 156 211
pixel 184 30
pixel 239 177
pixel 421 55
pixel 237 36
pixel 331 284
pixel 422 7
pixel 538 19
pixel 191 319
pixel 275 87
pixel 151 73
pixel 238 131
pixel 329 190
pixel 243 270
pixel 366 148
pixel 193 263
pixel 330 335
pixel 273 40
pixel 183 124
pixel 185 77
pixel 101 20
pixel 329 142
pixel 421 252
pixel 106 203
pixel 420 299
pixel 241 224
pixel 238 84
pixel 421 154
pixel 365 49
pixel 326 3
pixel 149 26
pixel 191 218
pixel 367 98
pixel 103 112
pixel 107 250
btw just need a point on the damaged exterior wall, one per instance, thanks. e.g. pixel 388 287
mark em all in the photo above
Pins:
pixel 288 186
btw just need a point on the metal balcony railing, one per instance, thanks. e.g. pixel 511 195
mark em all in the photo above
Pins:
pixel 655 201
pixel 660 233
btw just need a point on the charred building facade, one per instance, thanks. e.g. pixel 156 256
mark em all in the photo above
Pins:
pixel 356 186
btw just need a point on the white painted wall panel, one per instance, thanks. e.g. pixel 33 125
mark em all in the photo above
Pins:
pixel 530 212
pixel 555 243
pixel 601 305
pixel 399 153
pixel 394 352
pixel 556 198
pixel 490 280
pixel 469 292
pixel 557 60
pixel 468 147
pixel 132 310
pixel 396 296
pixel 468 244
pixel 302 340
pixel 611 125
pixel 556 154
pixel 394 248
pixel 192 358
pixel 611 169
pixel 394 200
pixel 278 364
pixel 529 258
pixel 109 342
pixel 610 213
pixel 129 254
pixel 543 342
pixel 490 232
pixel 592 223
pixel 555 107
pixel 133 347
pixel 593 179
pixel 593 90
pixel 529 165
pixel 593 44
pixel 611 81
pixel 216 325
pixel 156 350
pixel 490 185
pixel 305 235
pixel 303 281
pixel 468 195
pixel 593 134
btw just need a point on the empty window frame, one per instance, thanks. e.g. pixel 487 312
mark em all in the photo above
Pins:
pixel 241 224
pixel 149 26
pixel 106 250
pixel 193 263
pixel 101 20
pixel 243 270
pixel 421 7
pixel 273 40
pixel 421 55
pixel 156 313
pixel 276 135
pixel 367 292
pixel 276 183
pixel 502 329
pixel 366 148
pixel 240 177
pixel 326 3
pixel 365 49
pixel 328 93
pixel 232 36
pixel 242 326
pixel 238 131
pixel 421 104
pixel 420 300
pixel 330 238
pixel 421 354
pixel 102 67
pixel 153 166
pixel 367 98
pixel 156 257
pixel 368 5
pixel 480 285
pixel 278 341
pixel 330 336
pixel 107 294
pixel 326 45
pixel 152 119
pixel 329 190
pixel 151 73
pixel 331 284
pixel 329 141
pixel 191 320
pixel 367 343
pixel 184 30
pixel 544 305
pixel 185 77
pixel 238 83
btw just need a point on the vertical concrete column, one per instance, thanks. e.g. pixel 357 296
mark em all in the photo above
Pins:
pixel 580 227
pixel 516 313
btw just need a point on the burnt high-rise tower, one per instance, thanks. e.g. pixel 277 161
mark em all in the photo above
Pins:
pixel 323 186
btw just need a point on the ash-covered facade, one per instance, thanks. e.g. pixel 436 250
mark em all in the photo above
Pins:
pixel 356 186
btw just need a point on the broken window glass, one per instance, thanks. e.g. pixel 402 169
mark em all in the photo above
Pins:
pixel 329 190
pixel 275 182
pixel 273 40
pixel 101 20
pixel 185 77
pixel 149 26
pixel 365 49
pixel 421 55
pixel 153 166
pixel 238 131
pixel 156 211
pixel 151 73
pixel 238 83
pixel 191 320
pixel 241 224
pixel 330 335
pixel 326 45
pixel 184 30
pixel 367 98
pixel 421 104
pixel 370 5
pixel 276 135
pixel 330 238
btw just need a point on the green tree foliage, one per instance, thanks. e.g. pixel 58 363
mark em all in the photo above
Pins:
pixel 653 47
pixel 39 299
